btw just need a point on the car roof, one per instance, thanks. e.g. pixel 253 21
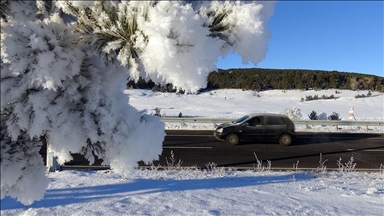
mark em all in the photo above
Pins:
pixel 267 114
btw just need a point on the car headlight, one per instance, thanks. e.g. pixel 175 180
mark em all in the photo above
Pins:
pixel 220 130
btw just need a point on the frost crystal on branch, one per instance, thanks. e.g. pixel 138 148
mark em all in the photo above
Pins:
pixel 174 42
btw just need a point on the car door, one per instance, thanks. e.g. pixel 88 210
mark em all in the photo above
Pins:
pixel 253 130
pixel 273 127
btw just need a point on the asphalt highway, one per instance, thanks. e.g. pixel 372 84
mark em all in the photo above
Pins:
pixel 308 151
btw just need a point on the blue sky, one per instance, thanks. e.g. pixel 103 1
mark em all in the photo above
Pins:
pixel 323 35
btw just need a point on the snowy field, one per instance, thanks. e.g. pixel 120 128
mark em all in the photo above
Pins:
pixel 214 193
pixel 234 103
pixel 218 191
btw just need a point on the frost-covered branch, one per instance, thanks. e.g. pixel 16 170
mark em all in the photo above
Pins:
pixel 65 65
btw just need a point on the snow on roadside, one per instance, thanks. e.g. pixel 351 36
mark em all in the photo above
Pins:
pixel 194 192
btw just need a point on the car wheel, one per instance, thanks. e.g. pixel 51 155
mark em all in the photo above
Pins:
pixel 232 139
pixel 285 139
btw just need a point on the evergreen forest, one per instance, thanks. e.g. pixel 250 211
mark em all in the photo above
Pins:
pixel 261 79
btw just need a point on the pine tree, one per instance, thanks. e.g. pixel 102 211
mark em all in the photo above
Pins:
pixel 313 116
pixel 126 29
pixel 53 87
pixel 65 65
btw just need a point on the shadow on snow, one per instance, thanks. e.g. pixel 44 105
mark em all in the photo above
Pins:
pixel 137 187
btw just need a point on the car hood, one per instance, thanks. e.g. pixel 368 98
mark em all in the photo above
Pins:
pixel 227 124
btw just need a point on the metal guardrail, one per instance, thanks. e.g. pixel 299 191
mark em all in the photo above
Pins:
pixel 297 122
pixel 222 120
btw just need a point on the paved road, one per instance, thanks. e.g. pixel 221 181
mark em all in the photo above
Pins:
pixel 200 148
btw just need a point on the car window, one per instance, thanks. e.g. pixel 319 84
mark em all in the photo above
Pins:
pixel 237 121
pixel 254 121
pixel 270 120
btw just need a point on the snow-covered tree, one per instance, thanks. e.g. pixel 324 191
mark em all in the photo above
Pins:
pixel 65 66
pixel 172 41
pixel 293 113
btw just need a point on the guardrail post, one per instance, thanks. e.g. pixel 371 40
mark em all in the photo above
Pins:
pixel 366 128
pixel 52 164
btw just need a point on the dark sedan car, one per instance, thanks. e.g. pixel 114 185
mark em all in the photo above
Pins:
pixel 257 126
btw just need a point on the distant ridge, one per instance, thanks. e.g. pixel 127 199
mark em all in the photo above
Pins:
pixel 260 79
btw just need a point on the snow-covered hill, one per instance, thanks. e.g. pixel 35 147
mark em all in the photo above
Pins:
pixel 234 103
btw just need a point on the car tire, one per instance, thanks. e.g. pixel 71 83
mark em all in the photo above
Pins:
pixel 232 139
pixel 285 140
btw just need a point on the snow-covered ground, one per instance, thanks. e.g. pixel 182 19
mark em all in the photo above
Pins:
pixel 234 103
pixel 218 191
pixel 231 193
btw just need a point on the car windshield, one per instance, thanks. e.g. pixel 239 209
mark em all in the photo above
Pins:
pixel 237 121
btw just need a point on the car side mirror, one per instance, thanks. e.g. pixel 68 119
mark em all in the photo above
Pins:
pixel 245 124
